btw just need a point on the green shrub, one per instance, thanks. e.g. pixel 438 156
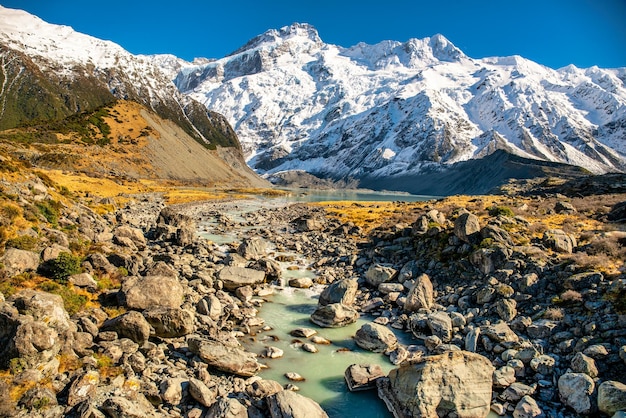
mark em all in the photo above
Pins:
pixel 24 242
pixel 50 210
pixel 62 267
pixel 501 211
pixel 72 301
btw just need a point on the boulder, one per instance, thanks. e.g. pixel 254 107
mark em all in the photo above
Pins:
pixel 376 338
pixel 527 408
pixel 146 292
pixel 467 227
pixel 227 358
pixel 501 333
pixel 559 241
pixel 440 324
pixel 362 376
pixel 301 282
pixel 234 277
pixel 19 261
pixel 131 325
pixel 211 306
pixel 253 248
pixel 421 295
pixel 120 407
pixel 289 404
pixel 43 306
pixel 575 391
pixel 334 315
pixel 170 322
pixel 507 309
pixel 84 280
pixel 263 388
pixel 541 329
pixel 488 260
pixel 584 364
pixel 173 389
pixel 340 291
pixel 227 408
pixel 83 387
pixel 134 235
pixel 456 382
pixel 378 273
pixel 612 397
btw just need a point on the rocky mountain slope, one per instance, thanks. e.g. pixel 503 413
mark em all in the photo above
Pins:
pixel 397 109
pixel 49 72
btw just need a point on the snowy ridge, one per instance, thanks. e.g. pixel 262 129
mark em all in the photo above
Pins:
pixel 379 110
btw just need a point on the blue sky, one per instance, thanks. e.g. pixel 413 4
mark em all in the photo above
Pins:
pixel 552 32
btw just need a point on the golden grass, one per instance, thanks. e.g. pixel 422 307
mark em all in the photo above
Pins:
pixel 366 215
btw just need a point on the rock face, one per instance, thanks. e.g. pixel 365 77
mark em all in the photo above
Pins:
pixel 455 382
pixel 147 292
pixel 575 390
pixel 19 261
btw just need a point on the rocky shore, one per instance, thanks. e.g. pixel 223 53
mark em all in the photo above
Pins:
pixel 134 314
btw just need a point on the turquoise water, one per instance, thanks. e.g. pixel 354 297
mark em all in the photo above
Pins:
pixel 289 309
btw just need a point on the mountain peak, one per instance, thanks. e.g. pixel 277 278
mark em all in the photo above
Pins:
pixel 443 49
pixel 304 31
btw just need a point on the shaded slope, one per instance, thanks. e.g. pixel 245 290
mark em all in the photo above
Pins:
pixel 473 176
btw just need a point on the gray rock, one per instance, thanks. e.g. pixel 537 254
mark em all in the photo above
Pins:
pixel 83 388
pixel 420 295
pixel 301 282
pixel 288 404
pixel 223 357
pixel 467 227
pixel 362 376
pixel 19 261
pixel 227 408
pixel 507 309
pixel 340 291
pixel 253 248
pixel 37 396
pixel 170 322
pixel 234 277
pixel 456 381
pixel 583 281
pixel 131 325
pixel 541 329
pixel 527 408
pixel 504 377
pixel 334 315
pixel 559 241
pixel 543 364
pixel 575 391
pixel 303 332
pixel 471 340
pixel 516 391
pixel 376 338
pixel 501 333
pixel 497 234
pixel 377 274
pixel 612 397
pixel 43 306
pixel 147 292
pixel 173 390
pixel 263 388
pixel 84 280
pixel 211 306
pixel 622 353
pixel 120 407
pixel 200 392
pixel 135 235
pixel 440 325
pixel 584 364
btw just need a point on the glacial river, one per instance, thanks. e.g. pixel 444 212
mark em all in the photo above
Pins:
pixel 289 308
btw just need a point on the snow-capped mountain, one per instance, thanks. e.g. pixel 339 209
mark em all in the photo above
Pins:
pixel 52 71
pixel 396 108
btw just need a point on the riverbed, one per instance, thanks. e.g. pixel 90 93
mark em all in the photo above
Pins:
pixel 289 308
